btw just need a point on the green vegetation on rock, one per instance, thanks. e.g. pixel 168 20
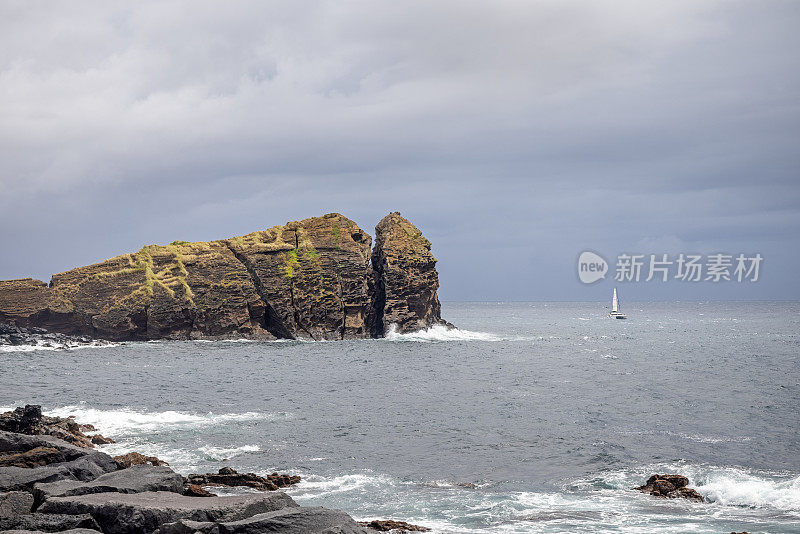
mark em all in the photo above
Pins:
pixel 289 263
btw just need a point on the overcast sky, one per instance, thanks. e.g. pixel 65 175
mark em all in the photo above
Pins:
pixel 514 134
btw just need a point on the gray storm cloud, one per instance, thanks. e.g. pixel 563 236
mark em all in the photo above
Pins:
pixel 515 134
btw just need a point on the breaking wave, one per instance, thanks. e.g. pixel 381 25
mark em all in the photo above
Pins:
pixel 723 486
pixel 53 345
pixel 737 487
pixel 129 421
pixel 315 486
pixel 439 333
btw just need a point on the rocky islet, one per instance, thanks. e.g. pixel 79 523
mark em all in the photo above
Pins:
pixel 318 278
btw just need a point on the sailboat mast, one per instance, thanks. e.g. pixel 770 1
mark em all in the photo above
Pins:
pixel 615 302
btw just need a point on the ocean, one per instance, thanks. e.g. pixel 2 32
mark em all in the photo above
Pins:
pixel 533 417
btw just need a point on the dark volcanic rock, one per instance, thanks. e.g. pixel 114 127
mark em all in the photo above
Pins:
pixel 136 479
pixel 21 450
pixel 389 525
pixel 229 477
pixel 193 490
pixel 11 442
pixel 305 520
pixel 29 420
pixel 39 337
pixel 14 503
pixel 21 454
pixel 32 458
pixel 306 279
pixel 311 275
pixel 50 523
pixel 670 487
pixel 84 468
pixel 404 281
pixel 134 458
pixel 99 439
pixel 121 513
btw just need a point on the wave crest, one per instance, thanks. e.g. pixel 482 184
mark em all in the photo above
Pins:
pixel 439 333
pixel 56 345
pixel 737 487
pixel 724 486
pixel 129 421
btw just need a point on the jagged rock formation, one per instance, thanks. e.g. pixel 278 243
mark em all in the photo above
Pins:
pixel 83 489
pixel 670 487
pixel 229 477
pixel 312 279
pixel 392 526
pixel 132 459
pixel 29 420
pixel 404 279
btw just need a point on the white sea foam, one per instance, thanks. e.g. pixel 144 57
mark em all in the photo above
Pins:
pixel 439 333
pixel 127 420
pixel 220 453
pixel 52 345
pixel 725 486
pixel 738 487
pixel 315 486
pixel 182 460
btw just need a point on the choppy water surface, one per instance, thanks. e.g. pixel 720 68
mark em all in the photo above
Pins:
pixel 534 418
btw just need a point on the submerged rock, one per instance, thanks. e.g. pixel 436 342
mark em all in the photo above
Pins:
pixel 229 477
pixel 308 279
pixel 134 458
pixel 670 487
pixel 99 439
pixel 390 525
pixel 193 490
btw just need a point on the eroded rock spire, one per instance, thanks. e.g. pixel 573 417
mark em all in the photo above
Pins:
pixel 404 281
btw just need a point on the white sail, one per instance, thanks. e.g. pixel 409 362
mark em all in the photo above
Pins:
pixel 614 302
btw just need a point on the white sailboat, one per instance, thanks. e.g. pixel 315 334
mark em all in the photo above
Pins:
pixel 615 313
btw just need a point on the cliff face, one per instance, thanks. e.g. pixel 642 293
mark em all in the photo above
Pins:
pixel 404 279
pixel 311 279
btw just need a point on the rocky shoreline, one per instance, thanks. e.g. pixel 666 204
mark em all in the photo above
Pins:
pixel 53 480
pixel 16 336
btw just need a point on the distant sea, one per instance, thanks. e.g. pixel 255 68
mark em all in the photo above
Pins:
pixel 534 417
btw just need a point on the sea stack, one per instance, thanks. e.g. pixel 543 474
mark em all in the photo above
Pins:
pixel 312 279
pixel 404 279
